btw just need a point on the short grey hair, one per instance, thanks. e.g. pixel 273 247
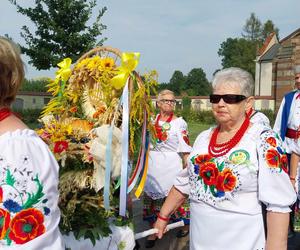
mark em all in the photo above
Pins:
pixel 163 93
pixel 235 75
pixel 297 69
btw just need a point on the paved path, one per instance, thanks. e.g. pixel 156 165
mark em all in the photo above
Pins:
pixel 170 242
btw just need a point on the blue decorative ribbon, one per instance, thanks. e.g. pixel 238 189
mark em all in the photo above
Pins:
pixel 125 146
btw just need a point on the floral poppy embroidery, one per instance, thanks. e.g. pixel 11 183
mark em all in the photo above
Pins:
pixel 4 222
pixel 271 141
pixel 162 132
pixel 226 181
pixel 185 137
pixel 274 155
pixel 209 173
pixel 214 176
pixel 21 213
pixel 273 158
pixel 26 225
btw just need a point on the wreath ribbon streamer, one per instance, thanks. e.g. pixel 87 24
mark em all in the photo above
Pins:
pixel 129 62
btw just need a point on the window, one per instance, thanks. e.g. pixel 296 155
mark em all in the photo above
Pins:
pixel 46 100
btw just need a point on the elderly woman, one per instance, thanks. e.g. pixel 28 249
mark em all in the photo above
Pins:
pixel 165 162
pixel 232 169
pixel 29 214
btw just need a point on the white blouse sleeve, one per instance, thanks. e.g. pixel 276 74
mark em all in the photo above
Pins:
pixel 182 181
pixel 28 193
pixel 183 137
pixel 275 188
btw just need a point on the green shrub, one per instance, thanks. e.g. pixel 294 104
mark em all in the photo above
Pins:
pixel 30 117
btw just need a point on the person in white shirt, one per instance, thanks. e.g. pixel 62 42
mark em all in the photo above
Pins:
pixel 29 213
pixel 233 168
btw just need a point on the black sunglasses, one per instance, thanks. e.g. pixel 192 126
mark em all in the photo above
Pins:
pixel 230 99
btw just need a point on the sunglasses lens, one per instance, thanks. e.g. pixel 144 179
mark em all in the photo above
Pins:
pixel 230 99
pixel 215 98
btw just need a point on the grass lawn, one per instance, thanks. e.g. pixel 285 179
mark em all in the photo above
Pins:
pixel 195 129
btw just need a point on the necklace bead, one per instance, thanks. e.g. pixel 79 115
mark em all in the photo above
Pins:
pixel 219 149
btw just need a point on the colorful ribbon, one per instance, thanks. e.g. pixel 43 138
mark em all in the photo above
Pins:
pixel 141 159
pixel 129 62
pixel 125 146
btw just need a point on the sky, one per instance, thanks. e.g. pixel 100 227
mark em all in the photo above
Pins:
pixel 170 35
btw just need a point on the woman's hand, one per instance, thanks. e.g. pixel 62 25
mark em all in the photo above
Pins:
pixel 160 225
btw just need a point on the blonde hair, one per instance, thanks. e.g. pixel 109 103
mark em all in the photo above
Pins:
pixel 163 93
pixel 11 71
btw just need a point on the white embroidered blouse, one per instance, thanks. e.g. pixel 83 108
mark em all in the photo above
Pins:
pixel 29 214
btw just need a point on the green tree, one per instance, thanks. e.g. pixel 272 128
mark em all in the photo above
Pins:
pixel 177 82
pixel 37 85
pixel 197 83
pixel 238 52
pixel 252 28
pixel 61 30
pixel 268 28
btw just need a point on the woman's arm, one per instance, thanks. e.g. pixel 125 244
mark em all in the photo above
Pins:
pixel 277 224
pixel 173 201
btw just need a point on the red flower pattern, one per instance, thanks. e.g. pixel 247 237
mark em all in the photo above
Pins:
pixel 273 158
pixel 284 163
pixel 272 141
pixel 60 146
pixel 226 181
pixel 185 137
pixel 4 222
pixel 209 172
pixel 200 159
pixel 26 226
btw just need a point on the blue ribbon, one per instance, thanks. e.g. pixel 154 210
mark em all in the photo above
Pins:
pixel 125 146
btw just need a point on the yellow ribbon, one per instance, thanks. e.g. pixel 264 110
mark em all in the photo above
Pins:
pixel 64 72
pixel 129 62
pixel 140 188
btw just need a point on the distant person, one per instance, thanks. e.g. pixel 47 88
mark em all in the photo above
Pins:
pixel 29 214
pixel 166 159
pixel 287 124
pixel 232 169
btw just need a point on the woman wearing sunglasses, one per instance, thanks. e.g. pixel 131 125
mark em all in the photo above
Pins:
pixel 165 162
pixel 233 168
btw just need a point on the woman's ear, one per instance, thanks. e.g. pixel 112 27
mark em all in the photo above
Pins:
pixel 249 103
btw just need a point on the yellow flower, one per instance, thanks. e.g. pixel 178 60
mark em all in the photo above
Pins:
pixel 107 62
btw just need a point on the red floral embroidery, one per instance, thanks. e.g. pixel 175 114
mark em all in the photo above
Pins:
pixel 272 141
pixel 209 173
pixel 185 137
pixel 284 163
pixel 26 226
pixel 4 222
pixel 273 158
pixel 60 146
pixel 226 181
pixel 200 159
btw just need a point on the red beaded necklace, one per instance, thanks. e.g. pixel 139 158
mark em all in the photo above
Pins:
pixel 220 149
pixel 4 113
pixel 158 118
